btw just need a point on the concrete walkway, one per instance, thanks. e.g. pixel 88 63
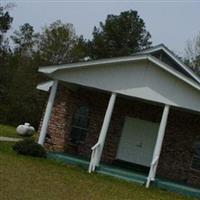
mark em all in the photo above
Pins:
pixel 9 139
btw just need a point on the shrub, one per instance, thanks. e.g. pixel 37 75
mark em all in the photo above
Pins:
pixel 29 147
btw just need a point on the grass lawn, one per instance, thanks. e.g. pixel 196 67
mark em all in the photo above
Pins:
pixel 28 178
pixel 8 131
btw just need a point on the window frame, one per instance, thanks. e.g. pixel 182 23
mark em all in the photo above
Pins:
pixel 78 114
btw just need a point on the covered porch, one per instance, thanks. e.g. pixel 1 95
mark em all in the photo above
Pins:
pixel 132 133
pixel 144 80
pixel 140 142
pixel 138 138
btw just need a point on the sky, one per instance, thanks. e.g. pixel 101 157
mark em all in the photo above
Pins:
pixel 170 22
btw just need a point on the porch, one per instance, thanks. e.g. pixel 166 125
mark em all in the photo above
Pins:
pixel 132 135
pixel 141 79
pixel 126 174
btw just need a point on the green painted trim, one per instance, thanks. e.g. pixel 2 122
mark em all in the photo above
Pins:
pixel 122 174
pixel 130 179
pixel 177 187
pixel 68 159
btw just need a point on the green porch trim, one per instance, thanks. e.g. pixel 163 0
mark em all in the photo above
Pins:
pixel 177 187
pixel 121 173
pixel 126 174
pixel 69 159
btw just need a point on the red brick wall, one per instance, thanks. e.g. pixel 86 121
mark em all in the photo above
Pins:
pixel 177 152
pixel 182 128
pixel 60 120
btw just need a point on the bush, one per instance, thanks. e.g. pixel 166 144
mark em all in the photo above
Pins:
pixel 29 147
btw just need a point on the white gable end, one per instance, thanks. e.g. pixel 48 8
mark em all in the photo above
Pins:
pixel 141 79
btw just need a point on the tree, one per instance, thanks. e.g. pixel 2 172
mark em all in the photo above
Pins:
pixel 23 98
pixel 56 43
pixel 5 23
pixel 120 35
pixel 81 50
pixel 24 39
pixel 193 54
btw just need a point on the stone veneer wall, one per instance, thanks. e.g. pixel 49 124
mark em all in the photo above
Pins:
pixel 181 131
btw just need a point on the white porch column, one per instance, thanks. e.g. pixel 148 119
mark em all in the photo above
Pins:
pixel 47 114
pixel 158 146
pixel 105 125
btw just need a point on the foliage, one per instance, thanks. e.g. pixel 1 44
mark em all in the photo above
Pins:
pixel 29 147
pixel 193 54
pixel 56 43
pixel 5 23
pixel 81 50
pixel 120 35
pixel 5 67
pixel 22 102
pixel 24 39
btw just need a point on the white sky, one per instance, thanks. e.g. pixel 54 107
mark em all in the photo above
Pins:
pixel 169 22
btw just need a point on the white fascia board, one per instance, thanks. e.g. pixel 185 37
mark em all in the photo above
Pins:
pixel 182 65
pixel 45 86
pixel 51 69
pixel 170 54
pixel 172 71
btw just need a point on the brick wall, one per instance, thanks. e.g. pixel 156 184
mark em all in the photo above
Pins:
pixel 177 152
pixel 181 131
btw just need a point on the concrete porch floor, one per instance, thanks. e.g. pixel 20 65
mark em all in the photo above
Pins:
pixel 126 174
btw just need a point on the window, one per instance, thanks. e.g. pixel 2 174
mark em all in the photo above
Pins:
pixel 79 127
pixel 196 157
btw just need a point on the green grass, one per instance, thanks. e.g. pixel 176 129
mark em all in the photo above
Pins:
pixel 27 178
pixel 8 131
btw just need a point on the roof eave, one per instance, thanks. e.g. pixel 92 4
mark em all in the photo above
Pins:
pixel 169 53
pixel 173 72
pixel 52 69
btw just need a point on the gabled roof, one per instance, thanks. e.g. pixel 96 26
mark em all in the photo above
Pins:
pixel 172 64
pixel 178 64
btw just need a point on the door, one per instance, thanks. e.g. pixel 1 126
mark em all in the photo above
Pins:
pixel 137 141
